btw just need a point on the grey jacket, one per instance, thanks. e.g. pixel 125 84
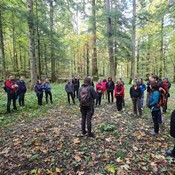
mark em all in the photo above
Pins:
pixel 69 87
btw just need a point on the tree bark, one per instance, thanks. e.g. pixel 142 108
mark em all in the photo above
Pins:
pixel 161 50
pixel 133 59
pixel 33 73
pixel 2 48
pixel 38 42
pixel 87 58
pixel 94 54
pixel 110 40
pixel 52 56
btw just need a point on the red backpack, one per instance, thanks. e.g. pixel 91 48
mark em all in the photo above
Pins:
pixel 162 100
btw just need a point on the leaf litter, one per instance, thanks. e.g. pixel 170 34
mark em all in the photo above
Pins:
pixel 53 145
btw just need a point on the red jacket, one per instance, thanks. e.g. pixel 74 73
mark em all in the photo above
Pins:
pixel 12 85
pixel 119 90
pixel 99 87
pixel 104 85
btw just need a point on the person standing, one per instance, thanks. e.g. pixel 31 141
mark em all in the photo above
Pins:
pixel 21 91
pixel 119 94
pixel 39 88
pixel 104 93
pixel 135 94
pixel 11 87
pixel 99 91
pixel 87 95
pixel 154 106
pixel 172 133
pixel 76 84
pixel 143 88
pixel 110 88
pixel 48 92
pixel 69 88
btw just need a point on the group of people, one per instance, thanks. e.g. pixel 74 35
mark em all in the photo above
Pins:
pixel 157 97
pixel 155 89
pixel 17 89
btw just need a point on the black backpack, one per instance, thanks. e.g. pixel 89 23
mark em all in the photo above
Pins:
pixel 85 98
pixel 172 124
pixel 6 89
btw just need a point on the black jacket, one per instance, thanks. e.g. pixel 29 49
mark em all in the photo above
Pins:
pixel 110 85
pixel 172 124
pixel 135 93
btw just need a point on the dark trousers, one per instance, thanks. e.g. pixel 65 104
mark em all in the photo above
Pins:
pixel 21 99
pixel 40 98
pixel 76 93
pixel 72 96
pixel 86 113
pixel 11 97
pixel 98 100
pixel 155 117
pixel 136 106
pixel 110 92
pixel 48 93
pixel 119 102
pixel 165 105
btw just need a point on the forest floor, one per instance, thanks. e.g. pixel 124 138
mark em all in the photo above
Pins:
pixel 53 143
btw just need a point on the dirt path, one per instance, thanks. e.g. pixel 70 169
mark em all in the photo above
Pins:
pixel 54 144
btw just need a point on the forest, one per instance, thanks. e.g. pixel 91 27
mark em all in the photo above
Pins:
pixel 62 39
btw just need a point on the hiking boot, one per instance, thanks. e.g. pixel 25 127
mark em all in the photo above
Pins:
pixel 153 133
pixel 170 153
pixel 91 134
pixel 84 132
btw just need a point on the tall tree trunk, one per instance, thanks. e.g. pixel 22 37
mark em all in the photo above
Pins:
pixel 2 48
pixel 87 58
pixel 33 73
pixel 52 56
pixel 94 54
pixel 38 42
pixel 45 58
pixel 161 50
pixel 14 44
pixel 133 59
pixel 20 57
pixel 110 40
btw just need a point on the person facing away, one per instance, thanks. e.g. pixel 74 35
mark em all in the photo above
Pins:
pixel 135 94
pixel 69 88
pixel 171 152
pixel 87 95
pixel 39 88
pixel 155 108
pixel 11 87
pixel 104 93
pixel 119 94
pixel 76 84
pixel 150 79
pixel 110 88
pixel 21 91
pixel 48 92
pixel 143 88
pixel 99 91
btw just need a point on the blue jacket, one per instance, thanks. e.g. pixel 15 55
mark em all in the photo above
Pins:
pixel 154 100
pixel 142 87
pixel 39 88
pixel 47 87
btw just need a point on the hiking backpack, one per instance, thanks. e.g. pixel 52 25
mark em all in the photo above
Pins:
pixel 85 99
pixel 172 124
pixel 162 98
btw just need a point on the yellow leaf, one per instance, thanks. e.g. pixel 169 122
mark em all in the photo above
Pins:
pixel 77 140
pixel 58 170
pixel 49 171
pixel 110 168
